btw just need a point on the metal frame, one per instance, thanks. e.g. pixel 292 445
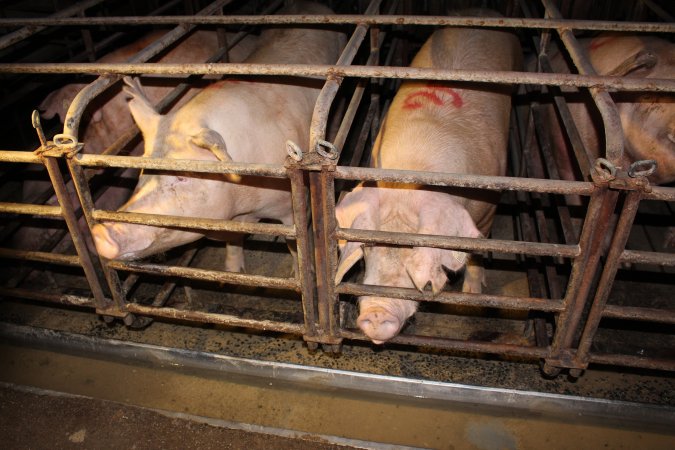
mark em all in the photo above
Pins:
pixel 317 233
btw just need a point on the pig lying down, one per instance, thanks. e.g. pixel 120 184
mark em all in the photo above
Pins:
pixel 245 121
pixel 438 127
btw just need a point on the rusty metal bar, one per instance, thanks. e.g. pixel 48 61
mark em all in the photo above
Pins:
pixel 660 193
pixel 78 241
pixel 633 361
pixel 608 110
pixel 62 299
pixel 207 275
pixel 319 121
pixel 30 29
pixel 346 19
pixel 19 157
pixel 52 258
pixel 26 208
pixel 320 70
pixel 584 269
pixel 639 313
pixel 305 261
pixel 656 9
pixel 167 221
pixel 618 243
pixel 453 298
pixel 74 115
pixel 641 257
pixel 221 319
pixel 460 345
pixel 458 243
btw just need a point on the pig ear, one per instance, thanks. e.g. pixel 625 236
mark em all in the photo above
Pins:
pixel 444 217
pixel 356 210
pixel 212 141
pixel 144 114
pixel 644 59
pixel 58 102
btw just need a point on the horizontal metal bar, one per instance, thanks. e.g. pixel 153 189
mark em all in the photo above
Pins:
pixel 642 257
pixel 453 298
pixel 62 299
pixel 29 209
pixel 325 71
pixel 637 313
pixel 459 345
pixel 207 275
pixel 660 193
pixel 54 258
pixel 491 22
pixel 181 165
pixel 633 361
pixel 195 223
pixel 19 157
pixel 221 319
pixel 464 180
pixel 458 243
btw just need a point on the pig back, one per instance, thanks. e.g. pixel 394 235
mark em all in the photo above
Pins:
pixel 454 127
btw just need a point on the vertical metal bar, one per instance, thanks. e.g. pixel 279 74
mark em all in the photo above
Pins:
pixel 618 244
pixel 71 221
pixel 305 262
pixel 584 269
pixel 79 180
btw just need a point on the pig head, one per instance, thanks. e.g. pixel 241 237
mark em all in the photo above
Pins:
pixel 402 210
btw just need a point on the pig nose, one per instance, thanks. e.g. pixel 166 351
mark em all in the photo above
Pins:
pixel 105 244
pixel 378 324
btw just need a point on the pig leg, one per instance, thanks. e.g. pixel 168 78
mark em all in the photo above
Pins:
pixel 234 259
pixel 474 275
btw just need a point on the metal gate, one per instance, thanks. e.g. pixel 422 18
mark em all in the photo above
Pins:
pixel 570 278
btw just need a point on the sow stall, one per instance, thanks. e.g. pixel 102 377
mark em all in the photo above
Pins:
pixel 580 306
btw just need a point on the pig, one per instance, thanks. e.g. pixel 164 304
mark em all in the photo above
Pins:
pixel 438 127
pixel 108 115
pixel 648 119
pixel 242 120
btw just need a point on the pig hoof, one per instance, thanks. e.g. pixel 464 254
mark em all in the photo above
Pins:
pixel 105 245
pixel 379 325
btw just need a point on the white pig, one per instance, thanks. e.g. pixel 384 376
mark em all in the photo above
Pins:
pixel 439 127
pixel 648 119
pixel 239 120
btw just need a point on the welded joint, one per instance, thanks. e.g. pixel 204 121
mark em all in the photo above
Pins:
pixel 62 145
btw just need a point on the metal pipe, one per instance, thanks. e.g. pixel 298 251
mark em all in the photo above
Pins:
pixel 51 258
pixel 610 114
pixel 204 224
pixel 30 29
pixel 62 299
pixel 354 19
pixel 639 313
pixel 318 71
pixel 641 257
pixel 454 298
pixel 34 210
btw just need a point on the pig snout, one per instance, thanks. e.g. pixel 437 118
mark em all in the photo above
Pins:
pixel 382 319
pixel 104 241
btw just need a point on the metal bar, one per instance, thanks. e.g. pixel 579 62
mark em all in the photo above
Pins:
pixel 660 193
pixel 619 240
pixel 461 180
pixel 322 70
pixel 30 29
pixel 354 19
pixel 19 157
pixel 168 287
pixel 458 243
pixel 167 221
pixel 78 240
pixel 608 110
pixel 207 275
pixel 633 361
pixel 453 298
pixel 62 299
pixel 640 257
pixel 305 261
pixel 656 9
pixel 74 115
pixel 639 313
pixel 52 258
pixel 221 319
pixel 459 345
pixel 29 209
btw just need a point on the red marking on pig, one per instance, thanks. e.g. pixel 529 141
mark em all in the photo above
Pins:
pixel 597 43
pixel 431 93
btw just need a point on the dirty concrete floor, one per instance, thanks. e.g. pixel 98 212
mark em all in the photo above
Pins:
pixel 32 419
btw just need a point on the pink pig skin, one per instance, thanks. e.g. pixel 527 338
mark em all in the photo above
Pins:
pixel 439 127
